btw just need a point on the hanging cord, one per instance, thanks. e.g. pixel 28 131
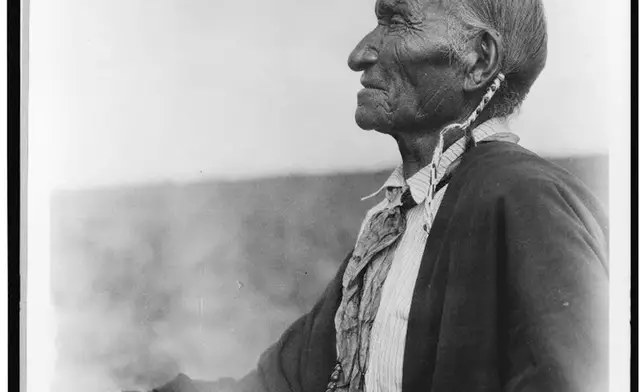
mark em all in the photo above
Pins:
pixel 466 128
pixel 467 125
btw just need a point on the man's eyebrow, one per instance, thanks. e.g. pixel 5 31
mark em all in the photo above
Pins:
pixel 391 6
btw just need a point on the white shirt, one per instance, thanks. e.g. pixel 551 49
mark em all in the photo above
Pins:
pixel 387 344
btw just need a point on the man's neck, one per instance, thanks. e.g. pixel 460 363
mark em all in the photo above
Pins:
pixel 417 148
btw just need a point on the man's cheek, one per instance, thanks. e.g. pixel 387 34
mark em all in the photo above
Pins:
pixel 439 104
pixel 403 105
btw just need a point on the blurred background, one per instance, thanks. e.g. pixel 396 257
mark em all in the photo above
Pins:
pixel 206 171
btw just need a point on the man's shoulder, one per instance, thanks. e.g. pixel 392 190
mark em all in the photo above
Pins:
pixel 500 168
pixel 496 161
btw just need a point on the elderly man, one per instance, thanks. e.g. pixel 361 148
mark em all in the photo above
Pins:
pixel 483 267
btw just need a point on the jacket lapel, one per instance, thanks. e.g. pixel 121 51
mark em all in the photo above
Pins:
pixel 425 315
pixel 423 326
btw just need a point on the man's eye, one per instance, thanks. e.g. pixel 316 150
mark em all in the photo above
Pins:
pixel 396 20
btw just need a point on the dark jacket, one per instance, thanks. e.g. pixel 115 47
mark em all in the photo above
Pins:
pixel 511 295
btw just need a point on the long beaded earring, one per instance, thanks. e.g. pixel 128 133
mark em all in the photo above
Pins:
pixel 466 128
pixel 467 125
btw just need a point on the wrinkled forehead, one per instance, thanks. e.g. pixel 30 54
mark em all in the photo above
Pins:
pixel 409 6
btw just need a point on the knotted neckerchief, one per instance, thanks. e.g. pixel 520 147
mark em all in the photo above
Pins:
pixel 360 291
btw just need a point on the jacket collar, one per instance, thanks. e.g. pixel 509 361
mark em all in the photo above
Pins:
pixel 419 183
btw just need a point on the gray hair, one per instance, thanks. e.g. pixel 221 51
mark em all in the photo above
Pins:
pixel 520 26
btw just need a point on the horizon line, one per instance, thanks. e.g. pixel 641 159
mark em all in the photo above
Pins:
pixel 250 177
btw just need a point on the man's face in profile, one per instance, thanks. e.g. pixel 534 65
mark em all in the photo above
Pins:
pixel 410 77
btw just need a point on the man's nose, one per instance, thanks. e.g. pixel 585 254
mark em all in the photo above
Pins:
pixel 364 55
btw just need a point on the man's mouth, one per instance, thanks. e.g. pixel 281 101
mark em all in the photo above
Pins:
pixel 366 83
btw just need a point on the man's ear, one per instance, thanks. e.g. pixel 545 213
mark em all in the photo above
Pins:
pixel 485 61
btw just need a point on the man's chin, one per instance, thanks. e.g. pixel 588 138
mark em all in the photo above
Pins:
pixel 367 120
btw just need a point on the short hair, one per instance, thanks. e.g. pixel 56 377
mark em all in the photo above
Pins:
pixel 520 26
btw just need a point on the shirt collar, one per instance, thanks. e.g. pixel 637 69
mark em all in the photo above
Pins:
pixel 419 183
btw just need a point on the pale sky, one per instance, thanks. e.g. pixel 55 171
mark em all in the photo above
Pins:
pixel 124 91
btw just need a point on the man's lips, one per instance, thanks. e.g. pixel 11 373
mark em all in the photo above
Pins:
pixel 372 87
pixel 366 83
